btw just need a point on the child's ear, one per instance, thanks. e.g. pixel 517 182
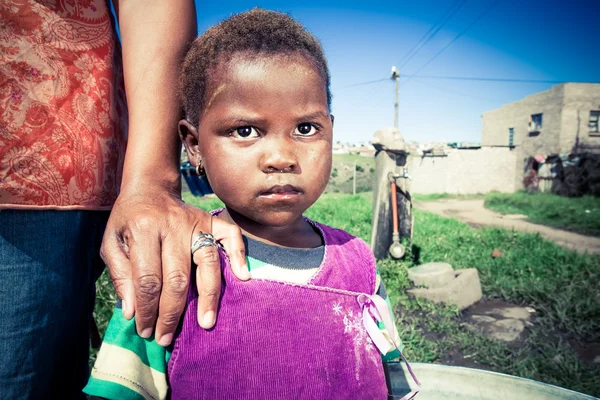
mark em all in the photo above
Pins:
pixel 189 137
pixel 332 119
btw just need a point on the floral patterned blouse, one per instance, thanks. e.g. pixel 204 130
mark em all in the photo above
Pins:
pixel 63 117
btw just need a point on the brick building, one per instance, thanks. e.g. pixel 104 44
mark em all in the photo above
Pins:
pixel 554 121
pixel 564 119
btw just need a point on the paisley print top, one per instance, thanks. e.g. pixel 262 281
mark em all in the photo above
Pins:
pixel 63 118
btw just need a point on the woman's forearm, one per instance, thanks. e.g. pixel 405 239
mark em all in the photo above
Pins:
pixel 155 35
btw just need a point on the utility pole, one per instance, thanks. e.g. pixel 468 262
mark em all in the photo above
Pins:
pixel 390 226
pixel 396 77
pixel 354 181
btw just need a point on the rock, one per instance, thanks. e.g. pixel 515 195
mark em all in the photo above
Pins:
pixel 483 318
pixel 506 330
pixel 464 290
pixel 596 360
pixel 511 312
pixel 431 275
pixel 499 320
pixel 496 253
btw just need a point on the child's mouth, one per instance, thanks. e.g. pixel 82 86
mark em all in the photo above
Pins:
pixel 281 192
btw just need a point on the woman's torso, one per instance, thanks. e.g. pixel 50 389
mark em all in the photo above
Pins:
pixel 62 115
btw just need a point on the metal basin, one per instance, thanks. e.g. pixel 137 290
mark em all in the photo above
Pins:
pixel 446 382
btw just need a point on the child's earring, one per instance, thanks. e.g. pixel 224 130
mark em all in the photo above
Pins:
pixel 200 169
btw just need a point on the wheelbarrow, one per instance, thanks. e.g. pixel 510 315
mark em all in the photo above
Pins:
pixel 442 382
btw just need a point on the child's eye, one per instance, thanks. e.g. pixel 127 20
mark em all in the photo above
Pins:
pixel 244 132
pixel 306 129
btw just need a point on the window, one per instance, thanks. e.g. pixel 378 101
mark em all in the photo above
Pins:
pixel 511 136
pixel 535 124
pixel 593 124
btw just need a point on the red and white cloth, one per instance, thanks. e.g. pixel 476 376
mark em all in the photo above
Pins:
pixel 63 117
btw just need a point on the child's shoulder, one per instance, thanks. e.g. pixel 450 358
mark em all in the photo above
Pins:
pixel 335 233
pixel 339 237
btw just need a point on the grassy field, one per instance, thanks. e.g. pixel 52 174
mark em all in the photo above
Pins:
pixel 350 158
pixel 577 214
pixel 559 284
pixel 342 173
pixel 445 196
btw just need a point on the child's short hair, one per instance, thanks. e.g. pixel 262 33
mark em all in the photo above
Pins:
pixel 256 32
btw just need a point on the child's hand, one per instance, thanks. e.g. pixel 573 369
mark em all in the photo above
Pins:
pixel 146 247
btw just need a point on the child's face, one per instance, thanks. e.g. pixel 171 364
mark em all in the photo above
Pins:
pixel 265 137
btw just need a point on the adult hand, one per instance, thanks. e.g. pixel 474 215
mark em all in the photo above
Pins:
pixel 146 247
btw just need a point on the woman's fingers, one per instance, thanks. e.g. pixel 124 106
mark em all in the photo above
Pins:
pixel 230 236
pixel 208 281
pixel 116 257
pixel 176 262
pixel 145 256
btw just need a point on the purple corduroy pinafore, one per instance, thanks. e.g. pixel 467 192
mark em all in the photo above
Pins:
pixel 275 340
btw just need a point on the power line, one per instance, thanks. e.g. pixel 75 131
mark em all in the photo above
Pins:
pixel 488 9
pixel 471 78
pixel 443 19
pixel 426 38
pixel 486 79
pixel 366 83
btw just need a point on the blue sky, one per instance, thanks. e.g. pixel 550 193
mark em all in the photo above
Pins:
pixel 527 39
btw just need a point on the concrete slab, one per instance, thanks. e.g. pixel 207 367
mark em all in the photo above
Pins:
pixel 507 330
pixel 511 312
pixel 499 320
pixel 464 290
pixel 431 275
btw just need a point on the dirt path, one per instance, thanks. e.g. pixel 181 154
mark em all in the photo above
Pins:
pixel 474 213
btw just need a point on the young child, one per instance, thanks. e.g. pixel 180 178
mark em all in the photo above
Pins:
pixel 309 325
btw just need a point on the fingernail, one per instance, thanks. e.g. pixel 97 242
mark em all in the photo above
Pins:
pixel 123 307
pixel 146 333
pixel 165 340
pixel 209 319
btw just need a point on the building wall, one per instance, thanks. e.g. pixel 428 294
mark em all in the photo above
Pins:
pixel 566 113
pixel 496 123
pixel 580 99
pixel 464 172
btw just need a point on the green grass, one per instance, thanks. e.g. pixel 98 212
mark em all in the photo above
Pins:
pixel 351 158
pixel 561 285
pixel 342 174
pixel 578 214
pixel 445 196
pixel 205 203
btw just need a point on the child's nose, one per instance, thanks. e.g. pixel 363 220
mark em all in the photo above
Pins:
pixel 279 156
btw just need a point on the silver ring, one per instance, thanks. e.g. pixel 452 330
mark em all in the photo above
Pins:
pixel 203 240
